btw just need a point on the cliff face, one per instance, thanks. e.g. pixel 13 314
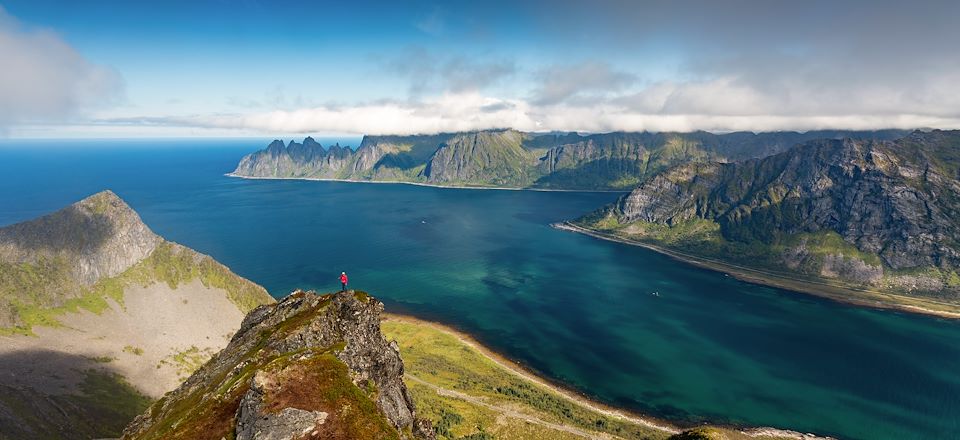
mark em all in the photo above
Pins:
pixel 489 157
pixel 893 204
pixel 509 158
pixel 310 366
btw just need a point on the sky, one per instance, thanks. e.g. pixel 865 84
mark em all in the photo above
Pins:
pixel 100 68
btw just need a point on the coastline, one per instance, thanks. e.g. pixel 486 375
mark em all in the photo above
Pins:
pixel 430 185
pixel 526 374
pixel 822 289
pixel 582 400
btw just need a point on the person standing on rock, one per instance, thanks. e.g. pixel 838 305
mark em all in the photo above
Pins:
pixel 343 281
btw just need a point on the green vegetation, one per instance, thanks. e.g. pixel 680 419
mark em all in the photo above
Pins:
pixel 699 434
pixel 101 359
pixel 186 361
pixel 101 407
pixel 510 407
pixel 508 158
pixel 39 293
pixel 323 384
pixel 441 359
pixel 115 401
pixel 133 350
pixel 175 265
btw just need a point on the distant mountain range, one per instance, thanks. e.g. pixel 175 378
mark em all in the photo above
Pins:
pixel 509 158
pixel 99 315
pixel 883 215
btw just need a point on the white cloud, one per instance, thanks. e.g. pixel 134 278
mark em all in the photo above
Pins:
pixel 561 82
pixel 44 79
pixel 474 111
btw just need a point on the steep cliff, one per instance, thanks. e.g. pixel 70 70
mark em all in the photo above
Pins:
pixel 881 214
pixel 484 158
pixel 310 366
pixel 509 158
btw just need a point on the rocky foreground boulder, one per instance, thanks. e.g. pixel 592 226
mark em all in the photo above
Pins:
pixel 309 367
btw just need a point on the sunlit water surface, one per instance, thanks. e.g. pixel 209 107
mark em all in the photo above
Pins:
pixel 576 309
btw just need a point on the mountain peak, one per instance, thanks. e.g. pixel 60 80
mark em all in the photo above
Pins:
pixel 101 235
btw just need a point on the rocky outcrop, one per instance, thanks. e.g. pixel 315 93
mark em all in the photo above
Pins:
pixel 509 158
pixel 310 366
pixel 895 200
pixel 307 159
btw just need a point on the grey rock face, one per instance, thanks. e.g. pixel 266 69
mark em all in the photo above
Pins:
pixel 100 235
pixel 895 199
pixel 266 373
pixel 68 250
pixel 255 423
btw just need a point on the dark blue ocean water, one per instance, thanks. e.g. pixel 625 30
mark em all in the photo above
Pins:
pixel 577 309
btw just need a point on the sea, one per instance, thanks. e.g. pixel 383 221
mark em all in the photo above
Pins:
pixel 621 324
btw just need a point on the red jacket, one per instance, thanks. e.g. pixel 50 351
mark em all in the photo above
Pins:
pixel 343 278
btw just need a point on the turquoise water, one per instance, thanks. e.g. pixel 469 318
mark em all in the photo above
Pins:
pixel 577 309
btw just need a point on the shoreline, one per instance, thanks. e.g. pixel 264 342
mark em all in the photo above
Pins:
pixel 526 374
pixel 821 289
pixel 579 398
pixel 429 185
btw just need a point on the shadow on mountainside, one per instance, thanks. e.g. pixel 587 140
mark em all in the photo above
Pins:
pixel 48 394
pixel 70 230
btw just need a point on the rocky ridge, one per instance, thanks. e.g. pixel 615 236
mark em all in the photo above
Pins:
pixel 873 213
pixel 309 366
pixel 510 158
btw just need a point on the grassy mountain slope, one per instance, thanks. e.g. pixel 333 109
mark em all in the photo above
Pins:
pixel 467 392
pixel 866 214
pixel 100 315
pixel 509 158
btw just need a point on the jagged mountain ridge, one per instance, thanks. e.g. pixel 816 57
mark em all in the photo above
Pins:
pixel 509 158
pixel 310 366
pixel 893 205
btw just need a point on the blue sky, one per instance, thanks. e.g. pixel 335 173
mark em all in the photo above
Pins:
pixel 236 68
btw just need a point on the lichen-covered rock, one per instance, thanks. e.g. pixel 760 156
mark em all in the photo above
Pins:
pixel 310 366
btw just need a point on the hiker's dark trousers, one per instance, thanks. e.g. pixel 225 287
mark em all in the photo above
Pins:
pixel 343 286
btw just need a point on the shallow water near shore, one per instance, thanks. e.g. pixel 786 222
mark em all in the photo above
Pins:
pixel 579 310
